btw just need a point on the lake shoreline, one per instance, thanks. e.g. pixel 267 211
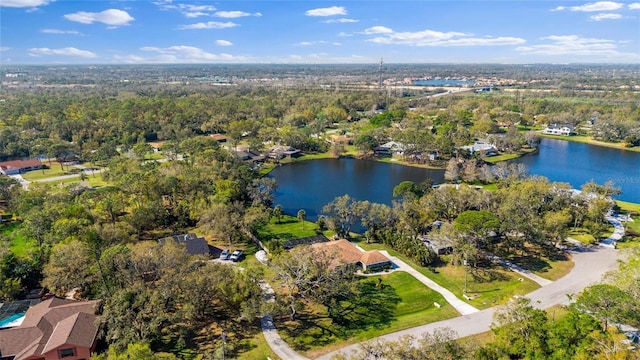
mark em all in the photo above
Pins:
pixel 591 141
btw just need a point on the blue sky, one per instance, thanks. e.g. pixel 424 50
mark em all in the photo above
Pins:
pixel 315 32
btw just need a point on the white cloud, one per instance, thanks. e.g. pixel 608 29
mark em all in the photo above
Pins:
pixel 605 16
pixel 58 31
pixel 572 45
pixel 378 30
pixel 68 51
pixel 634 6
pixel 330 11
pixel 4 48
pixel 436 38
pixel 181 54
pixel 344 34
pixel 559 8
pixel 113 17
pixel 308 43
pixel 234 14
pixel 23 3
pixel 188 10
pixel 337 43
pixel 223 43
pixel 208 25
pixel 598 6
pixel 340 21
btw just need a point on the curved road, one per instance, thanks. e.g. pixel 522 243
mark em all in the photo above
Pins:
pixel 590 264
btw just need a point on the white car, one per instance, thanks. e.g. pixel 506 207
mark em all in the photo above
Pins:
pixel 236 255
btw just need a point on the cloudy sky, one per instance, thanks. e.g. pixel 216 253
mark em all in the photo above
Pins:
pixel 297 31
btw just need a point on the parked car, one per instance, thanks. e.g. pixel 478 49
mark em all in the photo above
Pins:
pixel 224 255
pixel 236 255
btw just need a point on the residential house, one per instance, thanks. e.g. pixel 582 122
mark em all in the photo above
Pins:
pixel 219 137
pixel 484 147
pixel 53 329
pixel 390 148
pixel 15 167
pixel 440 247
pixel 554 129
pixel 281 151
pixel 195 245
pixel 347 253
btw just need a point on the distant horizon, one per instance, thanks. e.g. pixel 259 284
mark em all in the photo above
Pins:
pixel 49 32
pixel 376 64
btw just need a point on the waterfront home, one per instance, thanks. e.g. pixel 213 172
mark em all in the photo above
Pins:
pixel 484 147
pixel 280 151
pixel 554 129
pixel 390 148
pixel 348 254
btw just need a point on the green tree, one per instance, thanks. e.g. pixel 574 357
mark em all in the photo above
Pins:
pixel 606 302
pixel 278 212
pixel 302 215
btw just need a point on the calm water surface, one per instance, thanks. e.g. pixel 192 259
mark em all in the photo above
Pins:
pixel 578 163
pixel 310 185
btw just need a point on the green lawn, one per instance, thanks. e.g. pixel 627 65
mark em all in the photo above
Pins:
pixel 510 156
pixel 19 245
pixel 628 206
pixel 581 235
pixel 549 268
pixel 46 173
pixel 488 287
pixel 401 302
pixel 288 228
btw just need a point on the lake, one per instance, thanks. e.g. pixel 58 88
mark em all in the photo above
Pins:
pixel 310 185
pixel 577 163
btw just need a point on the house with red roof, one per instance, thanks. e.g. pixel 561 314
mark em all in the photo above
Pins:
pixel 347 253
pixel 53 329
pixel 15 167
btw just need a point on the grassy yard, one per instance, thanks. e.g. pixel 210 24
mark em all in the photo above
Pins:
pixel 582 235
pixel 549 268
pixel 487 286
pixel 46 173
pixel 400 303
pixel 628 206
pixel 288 228
pixel 511 156
pixel 19 245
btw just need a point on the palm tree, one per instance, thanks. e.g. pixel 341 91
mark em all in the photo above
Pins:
pixel 301 216
pixel 278 212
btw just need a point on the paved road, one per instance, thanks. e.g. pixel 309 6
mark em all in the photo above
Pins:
pixel 591 262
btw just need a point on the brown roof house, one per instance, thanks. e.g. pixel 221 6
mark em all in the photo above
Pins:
pixel 53 329
pixel 14 167
pixel 347 253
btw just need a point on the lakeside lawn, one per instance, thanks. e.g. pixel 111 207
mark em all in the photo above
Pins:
pixel 487 286
pixel 401 302
pixel 509 156
pixel 288 228
pixel 589 140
